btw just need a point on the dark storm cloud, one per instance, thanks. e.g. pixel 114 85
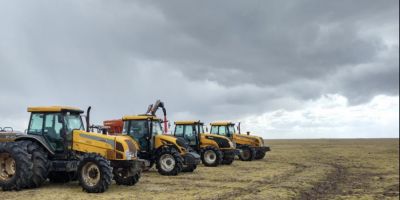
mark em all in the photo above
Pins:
pixel 235 58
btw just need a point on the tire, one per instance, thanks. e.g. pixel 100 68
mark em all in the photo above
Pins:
pixel 260 155
pixel 17 171
pixel 189 168
pixel 145 169
pixel 40 162
pixel 62 177
pixel 248 154
pixel 211 156
pixel 94 173
pixel 169 161
pixel 228 160
pixel 121 178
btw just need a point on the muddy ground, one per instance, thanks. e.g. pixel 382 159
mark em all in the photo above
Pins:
pixel 295 169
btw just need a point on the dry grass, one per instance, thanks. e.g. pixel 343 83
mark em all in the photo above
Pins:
pixel 295 169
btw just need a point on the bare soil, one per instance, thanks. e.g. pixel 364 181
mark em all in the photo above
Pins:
pixel 295 169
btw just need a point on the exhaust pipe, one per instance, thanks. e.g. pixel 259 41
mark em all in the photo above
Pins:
pixel 88 119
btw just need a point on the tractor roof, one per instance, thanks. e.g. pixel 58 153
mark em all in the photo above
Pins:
pixel 139 117
pixel 222 123
pixel 188 122
pixel 54 109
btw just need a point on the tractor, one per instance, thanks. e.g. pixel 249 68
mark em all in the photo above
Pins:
pixel 170 154
pixel 252 147
pixel 57 147
pixel 214 149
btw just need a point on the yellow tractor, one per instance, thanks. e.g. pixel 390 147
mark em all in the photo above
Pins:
pixel 252 147
pixel 57 146
pixel 214 149
pixel 170 154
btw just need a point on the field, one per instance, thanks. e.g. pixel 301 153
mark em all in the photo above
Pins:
pixel 295 169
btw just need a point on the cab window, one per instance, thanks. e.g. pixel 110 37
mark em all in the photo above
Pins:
pixel 52 129
pixel 190 134
pixel 214 129
pixel 36 124
pixel 222 130
pixel 179 130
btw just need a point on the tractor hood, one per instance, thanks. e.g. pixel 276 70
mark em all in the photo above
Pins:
pixel 222 141
pixel 258 141
pixel 180 143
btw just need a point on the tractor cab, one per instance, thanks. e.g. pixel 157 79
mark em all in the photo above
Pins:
pixel 214 149
pixel 190 131
pixel 54 126
pixel 252 147
pixel 145 129
pixel 226 129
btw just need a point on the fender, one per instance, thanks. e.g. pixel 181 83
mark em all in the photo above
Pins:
pixel 37 139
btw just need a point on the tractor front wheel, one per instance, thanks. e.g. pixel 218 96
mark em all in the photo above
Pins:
pixel 122 176
pixel 260 155
pixel 248 154
pixel 189 168
pixel 94 173
pixel 169 161
pixel 211 156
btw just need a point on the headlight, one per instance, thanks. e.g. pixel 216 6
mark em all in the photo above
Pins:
pixel 129 155
pixel 232 144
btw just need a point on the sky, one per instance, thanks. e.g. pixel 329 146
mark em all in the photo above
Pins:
pixel 284 69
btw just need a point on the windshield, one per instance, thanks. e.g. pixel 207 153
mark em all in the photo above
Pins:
pixel 74 121
pixel 139 128
pixel 231 129
pixel 157 130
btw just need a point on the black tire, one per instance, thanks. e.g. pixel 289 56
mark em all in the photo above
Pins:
pixel 92 167
pixel 248 153
pixel 189 168
pixel 145 169
pixel 216 158
pixel 228 160
pixel 40 162
pixel 260 155
pixel 20 166
pixel 121 178
pixel 62 177
pixel 173 156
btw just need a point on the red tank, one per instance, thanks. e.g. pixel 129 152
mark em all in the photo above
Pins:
pixel 114 126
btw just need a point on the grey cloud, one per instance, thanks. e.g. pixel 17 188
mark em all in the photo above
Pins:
pixel 206 59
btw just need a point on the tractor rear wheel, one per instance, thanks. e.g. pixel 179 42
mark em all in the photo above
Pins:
pixel 248 154
pixel 123 177
pixel 94 173
pixel 40 162
pixel 15 167
pixel 169 161
pixel 211 156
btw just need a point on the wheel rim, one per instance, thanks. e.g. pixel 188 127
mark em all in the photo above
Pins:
pixel 7 167
pixel 210 156
pixel 91 174
pixel 246 154
pixel 122 173
pixel 167 162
